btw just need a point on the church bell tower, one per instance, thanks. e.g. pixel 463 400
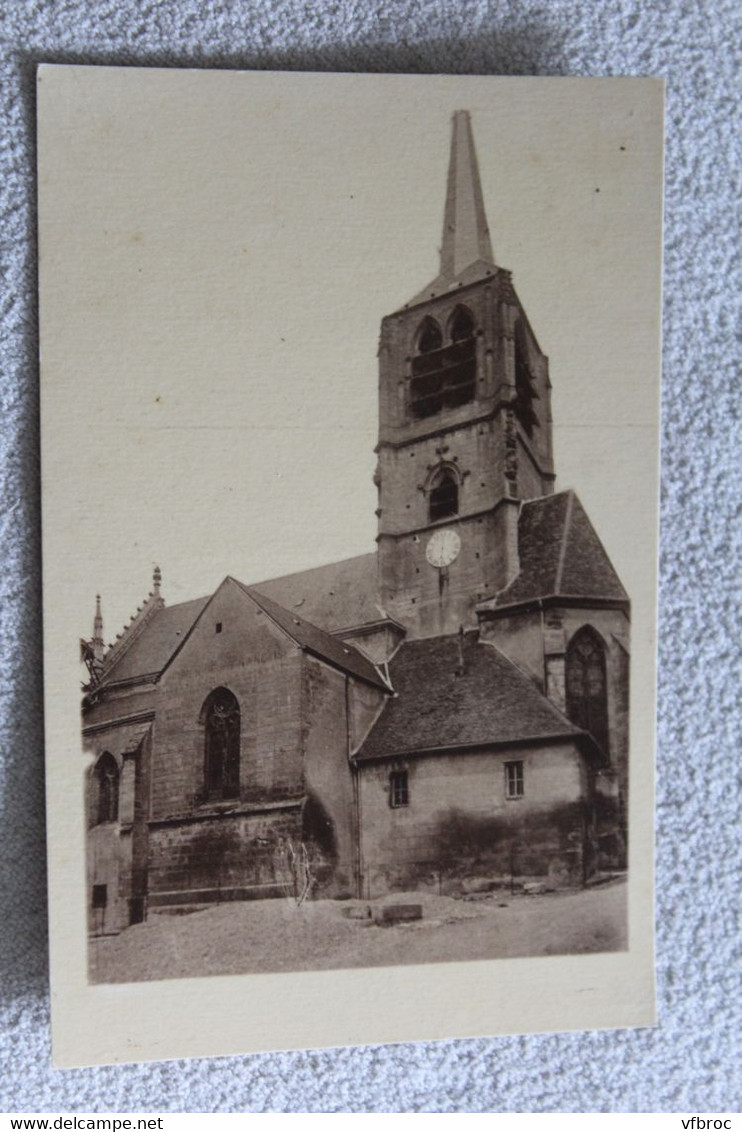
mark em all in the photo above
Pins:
pixel 464 423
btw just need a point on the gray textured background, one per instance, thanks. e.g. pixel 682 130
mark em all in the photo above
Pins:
pixel 692 1060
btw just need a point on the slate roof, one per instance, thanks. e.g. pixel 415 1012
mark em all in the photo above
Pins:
pixel 340 595
pixel 443 284
pixel 307 636
pixel 560 555
pixel 156 642
pixel 493 702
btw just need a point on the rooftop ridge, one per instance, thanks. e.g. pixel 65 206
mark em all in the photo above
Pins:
pixel 316 640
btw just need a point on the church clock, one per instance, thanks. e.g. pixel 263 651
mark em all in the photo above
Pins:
pixel 443 549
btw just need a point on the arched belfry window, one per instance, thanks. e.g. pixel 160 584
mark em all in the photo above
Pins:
pixel 106 776
pixel 221 718
pixel 462 325
pixel 587 691
pixel 525 388
pixel 444 496
pixel 443 376
pixel 429 336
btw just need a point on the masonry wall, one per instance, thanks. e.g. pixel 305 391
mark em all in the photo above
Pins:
pixel 262 669
pixel 232 856
pixel 495 308
pixel 364 707
pixel 537 643
pixel 121 703
pixel 474 451
pixel 328 818
pixel 379 644
pixel 460 823
pixel 482 444
pixel 114 848
pixel 430 602
pixel 528 478
pixel 108 856
pixel 520 637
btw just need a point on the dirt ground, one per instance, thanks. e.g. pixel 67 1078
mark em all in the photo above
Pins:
pixel 276 935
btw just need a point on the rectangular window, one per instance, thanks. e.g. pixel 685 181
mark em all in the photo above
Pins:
pixel 514 780
pixel 100 895
pixel 399 794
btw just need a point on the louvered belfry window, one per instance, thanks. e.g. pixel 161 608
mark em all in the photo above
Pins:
pixel 221 716
pixel 443 376
pixel 587 693
pixel 525 383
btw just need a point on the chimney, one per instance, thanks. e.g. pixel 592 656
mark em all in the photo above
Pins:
pixel 461 667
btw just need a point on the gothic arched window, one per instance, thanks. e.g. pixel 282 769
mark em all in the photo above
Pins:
pixel 221 718
pixel 106 776
pixel 443 377
pixel 462 325
pixel 587 691
pixel 444 496
pixel 429 336
pixel 525 389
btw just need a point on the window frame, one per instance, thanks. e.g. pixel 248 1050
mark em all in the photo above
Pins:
pixel 399 789
pixel 515 788
pixel 222 756
pixel 107 779
pixel 587 705
pixel 442 479
pixel 443 376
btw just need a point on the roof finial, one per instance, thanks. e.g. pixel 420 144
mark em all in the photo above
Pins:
pixel 466 237
pixel 98 643
pixel 157 580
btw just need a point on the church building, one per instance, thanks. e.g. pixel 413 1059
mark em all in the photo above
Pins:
pixel 453 705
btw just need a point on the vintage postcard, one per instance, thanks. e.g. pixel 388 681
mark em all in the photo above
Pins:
pixel 349 392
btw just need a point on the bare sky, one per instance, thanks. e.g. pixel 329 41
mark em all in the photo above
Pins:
pixel 217 252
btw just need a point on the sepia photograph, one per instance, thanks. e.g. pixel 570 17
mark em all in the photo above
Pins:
pixel 349 422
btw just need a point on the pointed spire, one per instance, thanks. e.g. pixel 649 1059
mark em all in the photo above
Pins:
pixel 157 580
pixel 466 250
pixel 466 237
pixel 98 644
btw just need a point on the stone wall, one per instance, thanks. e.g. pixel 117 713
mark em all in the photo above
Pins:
pixel 483 445
pixel 228 856
pixel 328 819
pixel 459 821
pixel 262 668
pixel 537 643
pixel 114 849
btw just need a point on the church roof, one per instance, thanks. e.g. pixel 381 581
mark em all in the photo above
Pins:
pixel 341 595
pixel 560 556
pixel 337 653
pixel 327 590
pixel 150 651
pixel 435 708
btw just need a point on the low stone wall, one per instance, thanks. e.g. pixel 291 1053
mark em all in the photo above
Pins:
pixel 221 856
pixel 546 846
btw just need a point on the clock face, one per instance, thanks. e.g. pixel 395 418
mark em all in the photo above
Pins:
pixel 443 549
